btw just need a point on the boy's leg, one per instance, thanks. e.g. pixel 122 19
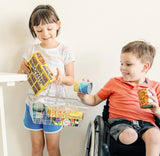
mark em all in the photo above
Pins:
pixel 152 141
pixel 52 140
pixel 128 136
pixel 124 133
pixel 37 138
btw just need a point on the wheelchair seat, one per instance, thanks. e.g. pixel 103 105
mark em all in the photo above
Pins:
pixel 99 142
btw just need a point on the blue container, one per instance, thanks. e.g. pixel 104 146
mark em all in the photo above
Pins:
pixel 83 87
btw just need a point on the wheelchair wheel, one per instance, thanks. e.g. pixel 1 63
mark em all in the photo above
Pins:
pixel 94 145
pixel 100 132
pixel 90 138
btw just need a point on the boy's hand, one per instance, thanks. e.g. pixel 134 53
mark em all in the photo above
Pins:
pixel 82 96
pixel 91 100
pixel 155 109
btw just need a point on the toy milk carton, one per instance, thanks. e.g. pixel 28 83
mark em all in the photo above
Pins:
pixel 40 75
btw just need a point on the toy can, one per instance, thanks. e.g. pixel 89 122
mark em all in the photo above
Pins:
pixel 144 99
pixel 83 87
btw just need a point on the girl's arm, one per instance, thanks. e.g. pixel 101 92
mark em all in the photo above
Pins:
pixel 67 79
pixel 24 68
pixel 91 100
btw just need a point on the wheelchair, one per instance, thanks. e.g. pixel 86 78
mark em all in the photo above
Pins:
pixel 100 143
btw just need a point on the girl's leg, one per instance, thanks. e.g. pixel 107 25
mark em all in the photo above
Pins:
pixel 128 136
pixel 52 140
pixel 37 138
pixel 152 141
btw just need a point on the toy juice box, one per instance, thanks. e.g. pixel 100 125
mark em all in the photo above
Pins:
pixel 40 75
pixel 65 113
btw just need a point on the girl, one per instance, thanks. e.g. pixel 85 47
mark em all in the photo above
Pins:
pixel 44 24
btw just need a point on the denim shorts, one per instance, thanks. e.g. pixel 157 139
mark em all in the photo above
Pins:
pixel 47 128
pixel 117 129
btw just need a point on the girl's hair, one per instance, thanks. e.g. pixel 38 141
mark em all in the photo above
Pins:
pixel 45 14
pixel 141 50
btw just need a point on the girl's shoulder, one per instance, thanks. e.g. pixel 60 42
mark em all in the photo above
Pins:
pixel 30 49
pixel 64 48
pixel 66 53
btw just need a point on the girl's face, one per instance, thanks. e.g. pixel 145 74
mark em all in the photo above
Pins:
pixel 132 69
pixel 47 34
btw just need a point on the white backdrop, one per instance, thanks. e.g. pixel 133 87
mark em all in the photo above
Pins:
pixel 96 30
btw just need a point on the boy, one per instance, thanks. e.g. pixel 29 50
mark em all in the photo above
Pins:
pixel 136 59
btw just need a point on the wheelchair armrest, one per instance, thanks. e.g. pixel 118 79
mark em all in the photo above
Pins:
pixel 103 125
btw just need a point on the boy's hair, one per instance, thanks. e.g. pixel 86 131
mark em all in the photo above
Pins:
pixel 45 14
pixel 142 50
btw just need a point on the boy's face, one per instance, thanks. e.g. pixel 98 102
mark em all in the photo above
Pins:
pixel 132 69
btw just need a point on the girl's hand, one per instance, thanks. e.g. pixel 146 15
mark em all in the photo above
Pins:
pixel 155 109
pixel 58 77
pixel 24 68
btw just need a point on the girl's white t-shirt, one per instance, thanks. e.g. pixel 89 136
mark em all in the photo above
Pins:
pixel 55 58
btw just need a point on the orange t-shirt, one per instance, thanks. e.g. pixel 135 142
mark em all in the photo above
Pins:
pixel 124 101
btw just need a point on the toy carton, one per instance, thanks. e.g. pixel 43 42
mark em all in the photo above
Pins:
pixel 66 122
pixel 65 112
pixel 40 75
pixel 65 116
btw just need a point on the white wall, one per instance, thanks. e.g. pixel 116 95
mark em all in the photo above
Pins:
pixel 96 30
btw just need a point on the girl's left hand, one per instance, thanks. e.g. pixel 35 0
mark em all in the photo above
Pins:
pixel 58 77
pixel 155 109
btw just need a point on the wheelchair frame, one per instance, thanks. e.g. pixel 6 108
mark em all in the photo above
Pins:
pixel 98 138
pixel 95 139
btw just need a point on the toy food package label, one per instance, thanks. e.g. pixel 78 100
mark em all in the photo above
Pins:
pixel 65 113
pixel 65 116
pixel 83 87
pixel 144 98
pixel 65 122
pixel 40 75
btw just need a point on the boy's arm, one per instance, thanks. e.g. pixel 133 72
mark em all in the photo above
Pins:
pixel 91 100
pixel 158 114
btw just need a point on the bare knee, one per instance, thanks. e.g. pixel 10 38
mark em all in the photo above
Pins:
pixel 53 143
pixel 152 136
pixel 128 136
pixel 53 149
pixel 37 138
pixel 37 147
